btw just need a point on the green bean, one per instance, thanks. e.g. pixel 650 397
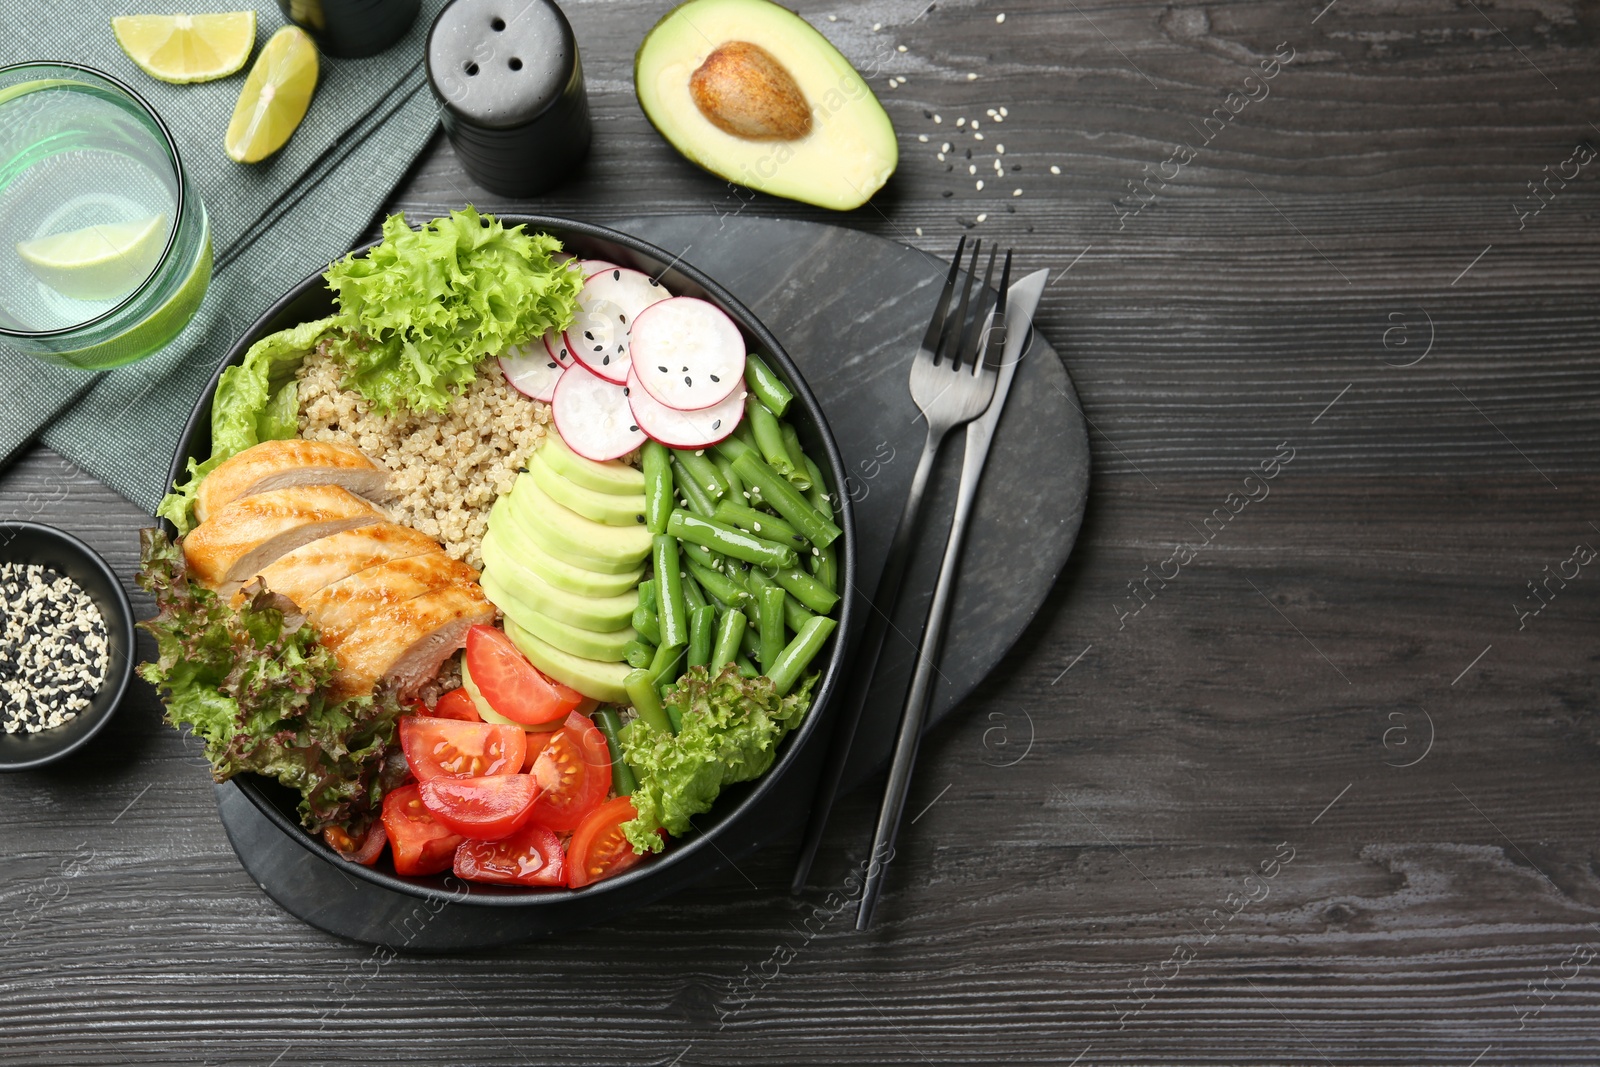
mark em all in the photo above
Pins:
pixel 638 653
pixel 819 490
pixel 795 615
pixel 806 589
pixel 737 444
pixel 699 501
pixel 786 500
pixel 769 436
pixel 785 671
pixel 729 540
pixel 766 385
pixel 702 622
pixel 730 629
pixel 658 492
pixel 669 589
pixel 730 479
pixel 719 586
pixel 750 642
pixel 666 666
pixel 622 780
pixel 693 595
pixel 675 713
pixel 703 471
pixel 746 668
pixel 641 688
pixel 749 519
pixel 769 610
pixel 644 614
pixel 801 478
pixel 825 565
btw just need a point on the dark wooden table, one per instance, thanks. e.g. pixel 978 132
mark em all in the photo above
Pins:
pixel 1318 788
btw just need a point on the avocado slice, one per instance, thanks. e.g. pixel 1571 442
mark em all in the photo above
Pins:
pixel 512 541
pixel 521 582
pixel 751 92
pixel 612 476
pixel 601 681
pixel 612 509
pixel 569 536
pixel 590 644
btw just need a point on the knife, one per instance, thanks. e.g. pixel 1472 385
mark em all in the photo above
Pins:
pixel 1021 301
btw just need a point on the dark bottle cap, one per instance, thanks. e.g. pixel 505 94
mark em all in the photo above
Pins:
pixel 509 83
pixel 350 29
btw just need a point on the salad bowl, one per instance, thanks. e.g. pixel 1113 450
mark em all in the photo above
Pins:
pixel 745 816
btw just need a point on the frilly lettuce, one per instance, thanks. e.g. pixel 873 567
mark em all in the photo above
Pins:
pixel 423 308
pixel 252 685
pixel 730 733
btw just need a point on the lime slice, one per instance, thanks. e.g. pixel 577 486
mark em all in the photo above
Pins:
pixel 275 96
pixel 97 262
pixel 187 48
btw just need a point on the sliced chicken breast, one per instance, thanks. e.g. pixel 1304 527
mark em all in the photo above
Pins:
pixel 302 574
pixel 280 464
pixel 345 605
pixel 405 643
pixel 241 539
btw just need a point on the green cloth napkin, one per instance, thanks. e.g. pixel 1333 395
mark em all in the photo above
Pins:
pixel 272 223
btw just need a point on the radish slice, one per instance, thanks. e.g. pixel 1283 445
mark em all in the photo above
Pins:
pixel 688 353
pixel 607 306
pixel 555 343
pixel 593 416
pixel 591 267
pixel 684 429
pixel 531 370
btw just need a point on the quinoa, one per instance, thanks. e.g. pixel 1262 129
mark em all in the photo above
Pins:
pixel 447 467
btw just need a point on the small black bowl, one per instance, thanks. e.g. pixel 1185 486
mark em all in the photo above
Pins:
pixel 29 542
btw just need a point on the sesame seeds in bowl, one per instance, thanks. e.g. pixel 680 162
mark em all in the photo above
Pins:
pixel 66 644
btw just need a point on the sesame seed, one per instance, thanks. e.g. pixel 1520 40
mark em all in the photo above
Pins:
pixel 922 137
pixel 919 231
pixel 1016 192
pixel 1004 113
pixel 900 48
pixel 1055 170
pixel 974 123
pixel 833 18
pixel 961 121
pixel 980 184
pixel 1000 149
pixel 940 156
pixel 972 168
pixel 972 77
pixel 977 136
pixel 945 147
pixel 1000 17
pixel 876 26
pixel 937 120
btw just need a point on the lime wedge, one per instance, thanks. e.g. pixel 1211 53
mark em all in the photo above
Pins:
pixel 97 262
pixel 187 48
pixel 275 96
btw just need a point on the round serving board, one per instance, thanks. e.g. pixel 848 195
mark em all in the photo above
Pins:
pixel 850 309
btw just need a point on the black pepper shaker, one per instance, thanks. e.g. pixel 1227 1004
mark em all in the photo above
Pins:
pixel 351 29
pixel 509 83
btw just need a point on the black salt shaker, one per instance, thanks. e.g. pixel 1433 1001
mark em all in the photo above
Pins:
pixel 509 83
pixel 351 29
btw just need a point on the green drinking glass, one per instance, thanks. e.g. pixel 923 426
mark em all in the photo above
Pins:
pixel 105 251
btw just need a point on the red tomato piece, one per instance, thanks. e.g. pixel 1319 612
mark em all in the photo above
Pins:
pixel 456 704
pixel 598 849
pixel 531 856
pixel 450 748
pixel 513 686
pixel 573 770
pixel 421 844
pixel 485 809
pixel 365 851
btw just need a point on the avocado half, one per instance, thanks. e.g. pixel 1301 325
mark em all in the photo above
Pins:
pixel 752 93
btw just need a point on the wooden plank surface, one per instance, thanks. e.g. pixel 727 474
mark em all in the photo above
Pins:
pixel 1338 675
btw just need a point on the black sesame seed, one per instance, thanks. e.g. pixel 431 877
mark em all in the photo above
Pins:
pixel 616 275
pixel 638 518
pixel 1016 166
pixel 947 194
pixel 969 153
pixel 715 378
pixel 633 429
pixel 687 381
pixel 717 425
pixel 663 370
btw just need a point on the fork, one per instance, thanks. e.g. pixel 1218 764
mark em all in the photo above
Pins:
pixel 951 384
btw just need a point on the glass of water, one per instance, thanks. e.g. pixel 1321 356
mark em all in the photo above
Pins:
pixel 105 252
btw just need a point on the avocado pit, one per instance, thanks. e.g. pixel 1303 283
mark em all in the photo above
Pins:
pixel 743 90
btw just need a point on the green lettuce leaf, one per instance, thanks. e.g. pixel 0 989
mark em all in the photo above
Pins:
pixel 730 733
pixel 252 685
pixel 423 308
pixel 256 401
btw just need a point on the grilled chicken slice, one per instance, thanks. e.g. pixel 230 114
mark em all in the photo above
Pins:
pixel 344 606
pixel 302 574
pixel 240 539
pixel 280 464
pixel 405 643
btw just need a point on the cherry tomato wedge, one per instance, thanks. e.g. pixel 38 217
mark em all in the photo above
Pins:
pixel 598 849
pixel 573 770
pixel 421 843
pixel 531 856
pixel 450 748
pixel 456 704
pixel 485 809
pixel 513 686
pixel 365 851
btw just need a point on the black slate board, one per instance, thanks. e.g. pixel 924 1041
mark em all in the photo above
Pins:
pixel 849 308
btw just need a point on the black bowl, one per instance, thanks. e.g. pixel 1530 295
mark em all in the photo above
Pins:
pixel 29 542
pixel 745 816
